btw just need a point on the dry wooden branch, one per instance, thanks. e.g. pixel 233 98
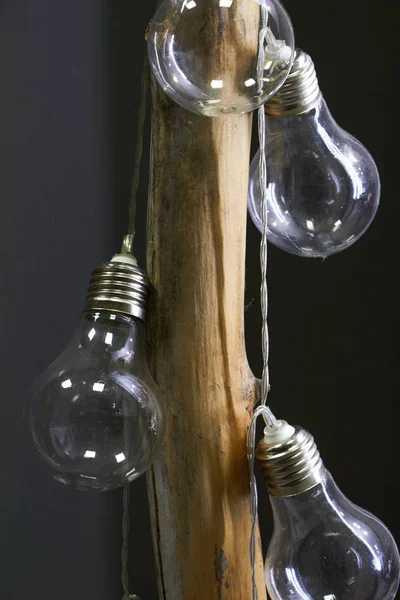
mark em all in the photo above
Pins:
pixel 199 487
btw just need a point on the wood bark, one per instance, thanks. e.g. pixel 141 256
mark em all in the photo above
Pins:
pixel 199 486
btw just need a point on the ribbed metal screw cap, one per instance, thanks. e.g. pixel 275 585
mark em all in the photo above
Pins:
pixel 118 287
pixel 300 92
pixel 293 466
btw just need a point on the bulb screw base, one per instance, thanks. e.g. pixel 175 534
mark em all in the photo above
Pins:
pixel 119 286
pixel 300 92
pixel 293 466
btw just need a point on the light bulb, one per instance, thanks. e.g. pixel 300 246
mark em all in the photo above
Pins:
pixel 205 53
pixel 96 415
pixel 323 186
pixel 323 546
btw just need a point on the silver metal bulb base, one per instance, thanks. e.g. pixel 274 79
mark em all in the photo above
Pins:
pixel 300 92
pixel 119 286
pixel 291 467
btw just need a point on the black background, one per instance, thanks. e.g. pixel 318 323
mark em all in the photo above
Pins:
pixel 70 87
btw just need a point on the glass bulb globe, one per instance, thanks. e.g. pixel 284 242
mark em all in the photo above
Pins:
pixel 323 186
pixel 323 547
pixel 95 414
pixel 204 53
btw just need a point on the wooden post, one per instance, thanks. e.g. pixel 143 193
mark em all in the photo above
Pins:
pixel 199 487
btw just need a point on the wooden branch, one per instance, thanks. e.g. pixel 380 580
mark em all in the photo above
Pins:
pixel 199 487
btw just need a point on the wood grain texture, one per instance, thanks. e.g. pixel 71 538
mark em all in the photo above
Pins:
pixel 199 487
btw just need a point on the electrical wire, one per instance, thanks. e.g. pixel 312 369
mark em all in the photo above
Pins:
pixel 263 409
pixel 139 146
pixel 125 543
pixel 128 247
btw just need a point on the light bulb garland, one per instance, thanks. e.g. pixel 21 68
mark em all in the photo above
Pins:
pixel 97 386
pixel 293 468
pixel 310 512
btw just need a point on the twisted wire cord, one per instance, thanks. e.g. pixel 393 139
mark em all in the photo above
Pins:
pixel 263 409
pixel 270 419
pixel 139 145
pixel 129 239
pixel 125 542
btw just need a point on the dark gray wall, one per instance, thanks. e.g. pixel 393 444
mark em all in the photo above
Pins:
pixel 70 79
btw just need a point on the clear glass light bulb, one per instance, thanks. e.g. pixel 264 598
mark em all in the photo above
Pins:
pixel 205 53
pixel 323 186
pixel 95 413
pixel 323 546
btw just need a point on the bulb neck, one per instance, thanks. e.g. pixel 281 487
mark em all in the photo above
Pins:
pixel 118 286
pixel 293 466
pixel 300 93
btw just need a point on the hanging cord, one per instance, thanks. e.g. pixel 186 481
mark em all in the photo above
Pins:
pixel 125 542
pixel 139 149
pixel 263 409
pixel 264 215
pixel 125 546
pixel 128 247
